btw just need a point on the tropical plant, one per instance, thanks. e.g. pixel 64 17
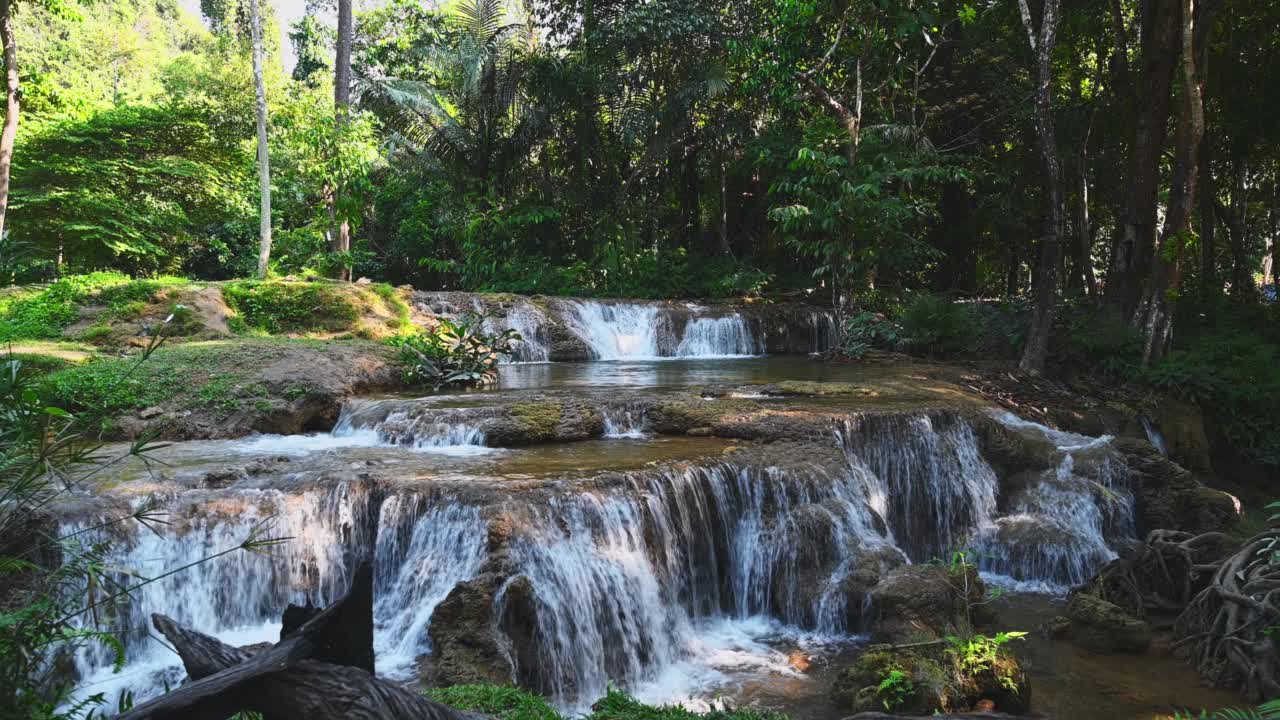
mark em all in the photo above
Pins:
pixel 935 325
pixel 1269 710
pixel 977 654
pixel 461 352
pixel 894 689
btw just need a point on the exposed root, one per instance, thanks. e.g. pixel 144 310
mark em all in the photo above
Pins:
pixel 1228 628
pixel 1164 574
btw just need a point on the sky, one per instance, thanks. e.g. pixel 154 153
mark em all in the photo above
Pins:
pixel 287 13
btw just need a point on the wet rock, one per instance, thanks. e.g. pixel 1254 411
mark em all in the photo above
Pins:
pixel 923 683
pixel 1168 496
pixel 924 602
pixel 1182 425
pixel 222 478
pixel 541 421
pixel 464 650
pixel 1102 627
pixel 791 388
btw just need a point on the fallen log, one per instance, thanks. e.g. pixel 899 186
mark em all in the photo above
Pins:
pixel 320 671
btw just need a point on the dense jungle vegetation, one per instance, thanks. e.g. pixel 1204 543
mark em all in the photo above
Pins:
pixel 1094 174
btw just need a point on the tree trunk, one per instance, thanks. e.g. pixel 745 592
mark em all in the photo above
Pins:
pixel 1154 315
pixel 12 98
pixel 1235 219
pixel 264 158
pixel 1208 222
pixel 1136 244
pixel 1046 291
pixel 340 237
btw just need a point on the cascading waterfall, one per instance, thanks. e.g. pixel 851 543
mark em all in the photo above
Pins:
pixel 530 322
pixel 238 596
pixel 397 427
pixel 625 581
pixel 727 336
pixel 639 331
pixel 423 547
pixel 426 546
pixel 628 420
pixel 1060 528
pixel 643 579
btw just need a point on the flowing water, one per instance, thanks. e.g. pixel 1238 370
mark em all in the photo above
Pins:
pixel 683 569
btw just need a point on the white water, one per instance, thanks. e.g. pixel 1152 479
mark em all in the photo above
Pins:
pixel 625 421
pixel 422 548
pixel 674 583
pixel 391 427
pixel 640 331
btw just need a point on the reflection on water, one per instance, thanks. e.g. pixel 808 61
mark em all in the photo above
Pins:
pixel 672 373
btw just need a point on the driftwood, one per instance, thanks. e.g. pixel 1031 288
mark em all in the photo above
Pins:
pixel 320 670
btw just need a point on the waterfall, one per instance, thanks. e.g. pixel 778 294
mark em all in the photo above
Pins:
pixel 1060 528
pixel 628 420
pixel 628 583
pixel 727 336
pixel 528 320
pixel 647 331
pixel 390 425
pixel 1154 436
pixel 237 597
pixel 422 548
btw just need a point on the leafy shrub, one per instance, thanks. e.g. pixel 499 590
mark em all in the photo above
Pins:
pixel 454 353
pixel 1100 342
pixel 1002 327
pixel 978 654
pixel 1269 710
pixel 894 689
pixel 508 703
pixel 1235 377
pixel 936 326
pixel 870 330
pixel 273 306
pixel 45 313
pixel 503 703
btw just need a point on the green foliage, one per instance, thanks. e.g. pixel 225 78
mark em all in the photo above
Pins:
pixel 508 703
pixel 45 313
pixel 870 330
pixel 894 689
pixel 273 306
pixel 1269 710
pixel 1100 342
pixel 935 325
pixel 454 353
pixel 134 188
pixel 978 654
pixel 503 703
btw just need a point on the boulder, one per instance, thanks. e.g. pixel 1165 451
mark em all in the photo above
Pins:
pixel 464 650
pixel 1103 627
pixel 928 680
pixel 925 602
pixel 1169 497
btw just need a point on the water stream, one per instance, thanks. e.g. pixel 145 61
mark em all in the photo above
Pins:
pixel 690 573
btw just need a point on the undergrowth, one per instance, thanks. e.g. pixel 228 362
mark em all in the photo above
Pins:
pixel 272 307
pixel 508 703
pixel 43 313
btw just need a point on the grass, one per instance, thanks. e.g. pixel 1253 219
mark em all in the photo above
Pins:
pixel 274 307
pixel 508 703
pixel 217 375
pixel 43 313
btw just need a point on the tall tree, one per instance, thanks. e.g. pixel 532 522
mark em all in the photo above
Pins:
pixel 1046 287
pixel 12 99
pixel 1154 315
pixel 1147 108
pixel 264 158
pixel 340 234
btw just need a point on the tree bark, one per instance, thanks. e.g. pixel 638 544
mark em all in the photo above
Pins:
pixel 1046 291
pixel 1235 218
pixel 340 236
pixel 1150 102
pixel 264 158
pixel 1154 315
pixel 13 97
pixel 1208 222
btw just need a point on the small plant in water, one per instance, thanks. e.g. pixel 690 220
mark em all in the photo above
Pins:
pixel 978 653
pixel 454 353
pixel 894 689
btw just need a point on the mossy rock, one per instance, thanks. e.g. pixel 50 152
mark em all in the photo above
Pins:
pixel 544 421
pixel 808 388
pixel 857 687
pixel 686 415
pixel 539 419
pixel 1103 627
